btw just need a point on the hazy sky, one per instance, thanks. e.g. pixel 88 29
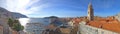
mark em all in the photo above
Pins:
pixel 61 8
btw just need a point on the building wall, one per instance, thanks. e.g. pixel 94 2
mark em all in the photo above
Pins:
pixel 70 23
pixel 1 30
pixel 117 17
pixel 86 29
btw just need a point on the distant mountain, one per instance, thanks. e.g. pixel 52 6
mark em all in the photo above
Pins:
pixel 7 14
pixel 54 20
pixel 4 15
pixel 17 15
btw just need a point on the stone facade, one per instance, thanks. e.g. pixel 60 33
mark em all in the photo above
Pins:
pixel 90 12
pixel 86 29
pixel 70 23
pixel 117 16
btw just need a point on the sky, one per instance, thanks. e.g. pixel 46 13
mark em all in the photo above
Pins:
pixel 61 8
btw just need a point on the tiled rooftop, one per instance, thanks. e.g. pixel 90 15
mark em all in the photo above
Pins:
pixel 108 23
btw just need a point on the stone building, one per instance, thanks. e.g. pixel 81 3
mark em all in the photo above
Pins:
pixel 108 25
pixel 90 12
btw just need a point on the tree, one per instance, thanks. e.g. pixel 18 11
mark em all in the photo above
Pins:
pixel 22 27
pixel 15 25
pixel 10 22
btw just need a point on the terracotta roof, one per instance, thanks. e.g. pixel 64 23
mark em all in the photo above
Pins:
pixel 94 24
pixel 76 21
pixel 112 26
pixel 108 24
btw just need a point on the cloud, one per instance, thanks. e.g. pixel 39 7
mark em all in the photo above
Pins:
pixel 17 6
pixel 2 3
pixel 29 7
pixel 21 5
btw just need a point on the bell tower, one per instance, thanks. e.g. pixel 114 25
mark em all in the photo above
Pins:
pixel 90 12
